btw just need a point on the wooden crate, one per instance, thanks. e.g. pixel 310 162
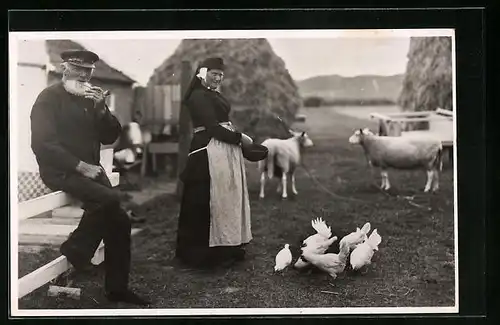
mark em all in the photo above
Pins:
pixel 171 149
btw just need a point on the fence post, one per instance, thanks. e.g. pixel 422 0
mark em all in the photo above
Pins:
pixel 184 126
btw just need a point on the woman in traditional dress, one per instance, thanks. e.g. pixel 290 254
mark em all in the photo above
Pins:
pixel 214 220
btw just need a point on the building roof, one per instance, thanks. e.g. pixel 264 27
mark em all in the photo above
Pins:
pixel 102 71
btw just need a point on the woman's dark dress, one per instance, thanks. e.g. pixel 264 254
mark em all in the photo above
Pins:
pixel 207 108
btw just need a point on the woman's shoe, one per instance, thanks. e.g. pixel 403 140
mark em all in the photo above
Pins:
pixel 239 254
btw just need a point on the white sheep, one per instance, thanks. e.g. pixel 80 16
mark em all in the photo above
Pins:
pixel 401 153
pixel 283 158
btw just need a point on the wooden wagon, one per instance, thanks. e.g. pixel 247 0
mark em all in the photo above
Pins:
pixel 439 125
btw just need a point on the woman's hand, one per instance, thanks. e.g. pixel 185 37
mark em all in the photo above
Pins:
pixel 246 140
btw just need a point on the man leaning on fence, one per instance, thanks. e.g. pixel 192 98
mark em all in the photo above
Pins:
pixel 69 122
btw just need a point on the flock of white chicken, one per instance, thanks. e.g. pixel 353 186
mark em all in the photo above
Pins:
pixel 358 244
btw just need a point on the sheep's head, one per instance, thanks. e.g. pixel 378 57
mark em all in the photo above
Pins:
pixel 359 135
pixel 303 138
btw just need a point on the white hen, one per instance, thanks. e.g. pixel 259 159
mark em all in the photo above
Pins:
pixel 323 232
pixel 317 243
pixel 283 258
pixel 357 237
pixel 363 253
pixel 330 263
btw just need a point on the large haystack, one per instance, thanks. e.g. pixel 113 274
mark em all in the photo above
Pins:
pixel 256 82
pixel 428 80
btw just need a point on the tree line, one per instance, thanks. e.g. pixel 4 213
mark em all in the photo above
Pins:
pixel 317 101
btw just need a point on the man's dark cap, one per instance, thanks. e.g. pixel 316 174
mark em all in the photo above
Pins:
pixel 81 58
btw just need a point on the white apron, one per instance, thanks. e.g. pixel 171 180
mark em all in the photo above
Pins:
pixel 229 202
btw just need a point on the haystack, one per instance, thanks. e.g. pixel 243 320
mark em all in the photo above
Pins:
pixel 256 81
pixel 428 80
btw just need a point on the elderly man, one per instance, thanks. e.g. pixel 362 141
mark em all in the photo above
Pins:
pixel 69 122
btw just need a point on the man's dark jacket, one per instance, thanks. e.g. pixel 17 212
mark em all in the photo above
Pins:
pixel 67 129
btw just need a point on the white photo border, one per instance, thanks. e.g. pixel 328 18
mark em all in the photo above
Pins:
pixel 14 37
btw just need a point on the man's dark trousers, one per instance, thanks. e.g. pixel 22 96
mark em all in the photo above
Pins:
pixel 103 219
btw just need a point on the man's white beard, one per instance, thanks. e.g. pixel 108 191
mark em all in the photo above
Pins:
pixel 76 87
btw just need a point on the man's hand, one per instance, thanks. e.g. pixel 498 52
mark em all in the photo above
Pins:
pixel 88 170
pixel 96 94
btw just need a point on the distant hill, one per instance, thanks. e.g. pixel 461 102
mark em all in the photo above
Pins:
pixel 359 87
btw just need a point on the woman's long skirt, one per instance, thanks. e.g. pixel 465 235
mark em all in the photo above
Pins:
pixel 214 220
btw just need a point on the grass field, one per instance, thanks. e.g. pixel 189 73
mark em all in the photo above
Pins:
pixel 413 267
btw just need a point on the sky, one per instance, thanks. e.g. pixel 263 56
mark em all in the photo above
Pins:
pixel 303 58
